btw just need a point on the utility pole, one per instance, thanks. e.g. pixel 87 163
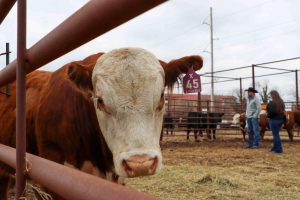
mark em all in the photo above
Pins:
pixel 212 94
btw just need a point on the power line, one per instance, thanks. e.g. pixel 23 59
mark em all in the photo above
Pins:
pixel 262 38
pixel 220 18
pixel 259 29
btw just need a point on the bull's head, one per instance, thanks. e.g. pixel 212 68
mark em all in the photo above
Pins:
pixel 128 87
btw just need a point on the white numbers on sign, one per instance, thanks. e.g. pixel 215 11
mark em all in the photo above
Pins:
pixel 190 85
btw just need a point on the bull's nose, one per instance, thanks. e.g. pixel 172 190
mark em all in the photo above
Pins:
pixel 140 166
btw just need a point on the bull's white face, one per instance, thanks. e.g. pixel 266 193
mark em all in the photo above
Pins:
pixel 236 118
pixel 128 85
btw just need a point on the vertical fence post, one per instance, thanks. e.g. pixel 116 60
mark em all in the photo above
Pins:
pixel 297 95
pixel 207 119
pixel 241 95
pixel 20 121
pixel 199 108
pixel 253 76
pixel 7 62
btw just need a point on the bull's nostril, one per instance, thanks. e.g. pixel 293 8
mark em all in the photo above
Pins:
pixel 140 165
pixel 153 166
pixel 127 168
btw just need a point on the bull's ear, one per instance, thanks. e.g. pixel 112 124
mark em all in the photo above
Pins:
pixel 175 68
pixel 80 72
pixel 80 76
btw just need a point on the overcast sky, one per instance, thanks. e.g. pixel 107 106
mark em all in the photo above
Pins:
pixel 245 32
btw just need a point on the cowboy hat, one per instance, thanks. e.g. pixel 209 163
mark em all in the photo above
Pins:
pixel 251 89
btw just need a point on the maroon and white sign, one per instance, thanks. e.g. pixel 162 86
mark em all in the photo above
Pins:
pixel 191 82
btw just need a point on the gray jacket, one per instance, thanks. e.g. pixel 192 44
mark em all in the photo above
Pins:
pixel 253 107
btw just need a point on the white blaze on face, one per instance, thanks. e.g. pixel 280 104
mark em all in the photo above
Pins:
pixel 129 84
pixel 263 112
pixel 236 118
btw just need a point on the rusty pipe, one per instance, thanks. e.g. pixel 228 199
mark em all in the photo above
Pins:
pixel 93 19
pixel 20 101
pixel 70 183
pixel 5 7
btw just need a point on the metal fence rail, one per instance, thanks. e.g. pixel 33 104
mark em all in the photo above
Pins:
pixel 94 18
pixel 178 109
pixel 70 183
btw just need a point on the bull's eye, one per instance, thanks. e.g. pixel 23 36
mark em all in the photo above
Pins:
pixel 162 101
pixel 100 103
pixel 101 106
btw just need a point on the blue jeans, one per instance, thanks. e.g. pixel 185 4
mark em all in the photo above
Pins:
pixel 253 132
pixel 275 125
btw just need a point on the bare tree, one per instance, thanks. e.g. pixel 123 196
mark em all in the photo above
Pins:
pixel 263 90
pixel 237 94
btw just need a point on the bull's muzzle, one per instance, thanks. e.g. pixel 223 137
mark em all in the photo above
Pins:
pixel 140 166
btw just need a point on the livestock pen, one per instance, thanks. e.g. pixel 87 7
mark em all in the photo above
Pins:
pixel 179 105
pixel 108 14
pixel 179 108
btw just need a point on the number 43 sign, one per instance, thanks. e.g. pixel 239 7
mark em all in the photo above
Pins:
pixel 191 82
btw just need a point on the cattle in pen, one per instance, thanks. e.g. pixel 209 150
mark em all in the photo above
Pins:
pixel 199 121
pixel 106 109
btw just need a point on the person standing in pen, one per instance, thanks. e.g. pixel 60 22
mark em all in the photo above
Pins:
pixel 252 115
pixel 275 111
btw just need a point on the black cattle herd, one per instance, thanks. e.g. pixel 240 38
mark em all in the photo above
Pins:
pixel 195 121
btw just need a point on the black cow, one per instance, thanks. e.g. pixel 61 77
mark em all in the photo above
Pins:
pixel 199 121
pixel 168 124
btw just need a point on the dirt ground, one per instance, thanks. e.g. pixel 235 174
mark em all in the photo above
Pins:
pixel 224 169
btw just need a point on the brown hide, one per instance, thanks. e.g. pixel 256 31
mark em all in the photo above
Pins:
pixel 67 129
pixel 263 122
pixel 291 120
pixel 288 124
pixel 61 123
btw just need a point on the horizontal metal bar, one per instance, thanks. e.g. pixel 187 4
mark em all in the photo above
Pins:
pixel 221 77
pixel 90 21
pixel 71 183
pixel 5 7
pixel 2 54
pixel 219 81
pixel 264 75
pixel 8 94
pixel 287 70
pixel 225 70
pixel 277 61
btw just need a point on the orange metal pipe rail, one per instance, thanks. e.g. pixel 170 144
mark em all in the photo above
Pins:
pixel 5 7
pixel 90 21
pixel 71 183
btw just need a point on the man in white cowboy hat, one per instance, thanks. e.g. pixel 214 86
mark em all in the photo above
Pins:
pixel 252 115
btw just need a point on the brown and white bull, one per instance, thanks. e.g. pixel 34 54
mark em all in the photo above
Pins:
pixel 288 123
pixel 106 109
